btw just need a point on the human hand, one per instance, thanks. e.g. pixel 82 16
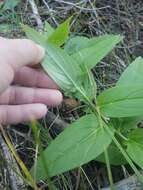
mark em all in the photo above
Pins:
pixel 24 91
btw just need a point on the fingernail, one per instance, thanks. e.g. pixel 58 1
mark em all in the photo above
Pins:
pixel 41 53
pixel 41 110
pixel 58 97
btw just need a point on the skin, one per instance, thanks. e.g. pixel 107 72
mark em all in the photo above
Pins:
pixel 25 91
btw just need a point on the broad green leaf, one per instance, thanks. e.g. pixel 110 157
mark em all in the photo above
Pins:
pixel 60 35
pixel 75 44
pixel 78 144
pixel 122 101
pixel 133 74
pixel 115 156
pixel 48 30
pixel 96 50
pixel 65 72
pixel 135 146
pixel 33 34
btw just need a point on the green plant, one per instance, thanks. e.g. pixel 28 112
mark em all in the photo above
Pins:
pixel 108 133
pixel 8 13
pixel 9 5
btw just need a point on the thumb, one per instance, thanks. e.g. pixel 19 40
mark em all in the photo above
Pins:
pixel 21 52
pixel 15 54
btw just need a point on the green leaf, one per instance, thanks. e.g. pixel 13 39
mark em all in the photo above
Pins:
pixel 48 30
pixel 122 101
pixel 115 156
pixel 33 34
pixel 75 44
pixel 126 124
pixel 96 50
pixel 60 35
pixel 1 5
pixel 60 67
pixel 135 146
pixel 133 74
pixel 10 4
pixel 88 82
pixel 65 72
pixel 78 144
pixel 63 69
pixel 88 85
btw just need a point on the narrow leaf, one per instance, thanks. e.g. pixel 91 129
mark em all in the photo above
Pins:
pixel 60 67
pixel 88 85
pixel 122 101
pixel 60 35
pixel 48 30
pixel 78 144
pixel 33 34
pixel 96 50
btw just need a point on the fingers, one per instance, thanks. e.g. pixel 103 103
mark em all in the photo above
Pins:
pixel 21 113
pixel 15 54
pixel 23 95
pixel 20 52
pixel 34 78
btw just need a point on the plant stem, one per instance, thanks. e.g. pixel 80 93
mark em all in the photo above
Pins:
pixel 105 152
pixel 122 136
pixel 109 169
pixel 138 174
pixel 36 133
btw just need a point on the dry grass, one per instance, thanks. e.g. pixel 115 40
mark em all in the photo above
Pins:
pixel 91 18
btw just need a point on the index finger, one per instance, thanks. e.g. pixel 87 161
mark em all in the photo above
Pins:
pixel 15 54
pixel 21 52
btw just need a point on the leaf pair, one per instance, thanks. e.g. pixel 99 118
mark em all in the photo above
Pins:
pixel 125 101
pixel 72 72
pixel 86 85
pixel 64 70
pixel 56 36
